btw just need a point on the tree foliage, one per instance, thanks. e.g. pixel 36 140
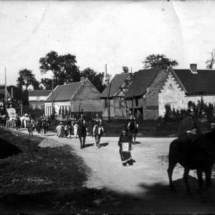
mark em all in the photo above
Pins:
pixel 95 78
pixel 27 78
pixel 158 61
pixel 47 82
pixel 63 67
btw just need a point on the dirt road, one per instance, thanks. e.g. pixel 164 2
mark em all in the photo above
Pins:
pixel 144 186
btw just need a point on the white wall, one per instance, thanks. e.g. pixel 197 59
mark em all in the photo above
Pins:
pixel 171 94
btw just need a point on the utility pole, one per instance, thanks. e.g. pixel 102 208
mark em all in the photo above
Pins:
pixel 5 90
pixel 108 91
pixel 52 98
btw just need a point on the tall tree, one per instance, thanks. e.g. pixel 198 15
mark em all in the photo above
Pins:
pixel 158 61
pixel 63 67
pixel 210 62
pixel 27 78
pixel 95 78
pixel 47 82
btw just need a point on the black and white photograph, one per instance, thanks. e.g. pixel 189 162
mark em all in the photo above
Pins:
pixel 107 107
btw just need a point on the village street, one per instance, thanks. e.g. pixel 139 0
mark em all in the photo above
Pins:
pixel 146 181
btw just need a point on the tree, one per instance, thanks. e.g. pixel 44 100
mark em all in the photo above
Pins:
pixel 125 69
pixel 95 78
pixel 47 82
pixel 63 67
pixel 27 78
pixel 158 61
pixel 210 62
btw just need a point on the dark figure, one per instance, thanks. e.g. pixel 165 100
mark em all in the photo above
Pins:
pixel 132 128
pixel 189 130
pixel 18 123
pixel 82 131
pixel 125 148
pixel 201 158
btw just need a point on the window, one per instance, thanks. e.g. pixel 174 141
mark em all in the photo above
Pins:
pixel 137 102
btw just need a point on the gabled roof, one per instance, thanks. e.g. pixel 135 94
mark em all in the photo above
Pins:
pixel 39 92
pixel 115 84
pixel 2 93
pixel 141 81
pixel 202 83
pixel 64 92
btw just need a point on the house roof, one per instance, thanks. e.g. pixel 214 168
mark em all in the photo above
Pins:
pixel 141 80
pixel 39 92
pixel 64 92
pixel 202 83
pixel 2 93
pixel 115 84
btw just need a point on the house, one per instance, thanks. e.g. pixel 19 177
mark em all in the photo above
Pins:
pixel 113 96
pixel 74 98
pixel 142 95
pixel 2 96
pixel 37 98
pixel 184 85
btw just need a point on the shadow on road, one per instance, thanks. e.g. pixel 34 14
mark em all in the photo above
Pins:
pixel 156 198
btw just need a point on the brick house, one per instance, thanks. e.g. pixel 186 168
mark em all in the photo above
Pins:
pixel 115 94
pixel 74 98
pixel 37 98
pixel 142 96
pixel 184 85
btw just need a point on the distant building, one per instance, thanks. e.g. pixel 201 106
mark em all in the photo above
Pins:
pixel 37 98
pixel 142 95
pixel 74 98
pixel 2 96
pixel 113 96
pixel 184 85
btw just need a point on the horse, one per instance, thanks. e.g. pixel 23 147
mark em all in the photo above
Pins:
pixel 132 129
pixel 199 155
pixel 98 134
pixel 82 133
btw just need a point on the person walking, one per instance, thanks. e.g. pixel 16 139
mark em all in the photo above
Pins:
pixel 124 143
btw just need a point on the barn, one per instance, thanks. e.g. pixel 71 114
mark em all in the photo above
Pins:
pixel 113 96
pixel 74 98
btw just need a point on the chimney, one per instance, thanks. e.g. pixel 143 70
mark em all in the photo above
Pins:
pixel 193 68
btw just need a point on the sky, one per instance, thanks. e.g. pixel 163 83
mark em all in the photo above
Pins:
pixel 116 33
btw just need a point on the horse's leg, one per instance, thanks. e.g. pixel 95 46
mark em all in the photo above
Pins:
pixel 185 178
pixel 200 180
pixel 172 164
pixel 208 178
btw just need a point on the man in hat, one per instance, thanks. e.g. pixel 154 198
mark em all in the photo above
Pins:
pixel 189 130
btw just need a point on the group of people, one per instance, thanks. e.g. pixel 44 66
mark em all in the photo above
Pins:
pixel 70 128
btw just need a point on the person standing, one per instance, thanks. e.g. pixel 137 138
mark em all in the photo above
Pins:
pixel 124 143
pixel 97 122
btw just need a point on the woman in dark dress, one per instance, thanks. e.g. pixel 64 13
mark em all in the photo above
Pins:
pixel 124 143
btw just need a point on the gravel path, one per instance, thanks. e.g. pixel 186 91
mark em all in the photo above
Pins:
pixel 146 180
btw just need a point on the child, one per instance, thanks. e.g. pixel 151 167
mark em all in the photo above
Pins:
pixel 124 143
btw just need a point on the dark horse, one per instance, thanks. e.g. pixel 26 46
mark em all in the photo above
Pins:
pixel 98 134
pixel 200 155
pixel 82 133
pixel 132 130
